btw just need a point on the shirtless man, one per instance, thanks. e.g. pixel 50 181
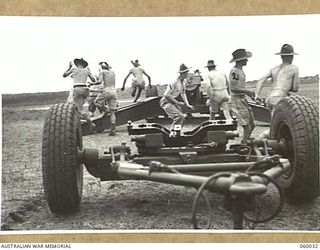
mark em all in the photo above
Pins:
pixel 94 90
pixel 138 82
pixel 238 91
pixel 80 73
pixel 284 78
pixel 169 102
pixel 109 94
pixel 217 91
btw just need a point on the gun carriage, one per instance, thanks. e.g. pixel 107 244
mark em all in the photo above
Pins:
pixel 206 157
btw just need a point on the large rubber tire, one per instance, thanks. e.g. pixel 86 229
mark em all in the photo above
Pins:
pixel 296 120
pixel 151 91
pixel 62 174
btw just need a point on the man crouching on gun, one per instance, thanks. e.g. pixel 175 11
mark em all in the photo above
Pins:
pixel 169 102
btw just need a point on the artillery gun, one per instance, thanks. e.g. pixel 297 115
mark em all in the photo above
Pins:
pixel 202 157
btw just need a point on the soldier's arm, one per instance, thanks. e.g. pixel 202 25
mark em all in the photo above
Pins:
pixel 125 80
pixel 234 87
pixel 185 98
pixel 68 71
pixel 91 75
pixel 208 89
pixel 260 83
pixel 296 81
pixel 227 84
pixel 208 86
pixel 169 97
pixel 149 78
pixel 98 80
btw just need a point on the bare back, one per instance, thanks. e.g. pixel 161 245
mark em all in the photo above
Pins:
pixel 137 73
pixel 108 78
pixel 284 77
pixel 80 75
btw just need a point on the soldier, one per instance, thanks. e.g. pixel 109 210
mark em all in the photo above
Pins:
pixel 238 90
pixel 284 78
pixel 80 73
pixel 217 91
pixel 94 90
pixel 169 102
pixel 138 83
pixel 109 94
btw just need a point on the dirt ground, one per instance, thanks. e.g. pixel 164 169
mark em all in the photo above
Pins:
pixel 112 205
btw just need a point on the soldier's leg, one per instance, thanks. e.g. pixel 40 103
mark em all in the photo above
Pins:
pixel 212 114
pixel 78 99
pixel 138 94
pixel 112 104
pixel 174 113
pixel 246 133
pixel 272 102
pixel 249 122
pixel 214 107
pixel 241 108
pixel 79 95
pixel 178 118
pixel 70 97
pixel 92 108
pixel 100 101
pixel 226 112
pixel 133 93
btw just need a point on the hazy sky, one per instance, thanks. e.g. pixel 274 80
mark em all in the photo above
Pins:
pixel 35 51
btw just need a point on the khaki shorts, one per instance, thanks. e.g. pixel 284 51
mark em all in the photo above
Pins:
pixel 242 110
pixel 219 100
pixel 79 95
pixel 173 111
pixel 272 101
pixel 138 84
pixel 107 97
pixel 92 96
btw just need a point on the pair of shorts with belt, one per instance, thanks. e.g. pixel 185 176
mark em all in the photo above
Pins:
pixel 242 110
pixel 80 93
